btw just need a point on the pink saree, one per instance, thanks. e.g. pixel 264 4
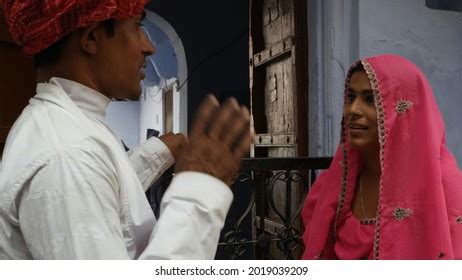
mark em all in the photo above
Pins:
pixel 420 201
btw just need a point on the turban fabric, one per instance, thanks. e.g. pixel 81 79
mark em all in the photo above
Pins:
pixel 37 24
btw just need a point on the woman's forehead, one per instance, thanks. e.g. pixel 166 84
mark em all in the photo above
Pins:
pixel 359 81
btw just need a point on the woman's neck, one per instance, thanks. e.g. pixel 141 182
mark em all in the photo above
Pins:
pixel 371 164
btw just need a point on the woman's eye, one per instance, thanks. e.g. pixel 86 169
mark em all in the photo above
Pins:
pixel 350 97
pixel 370 99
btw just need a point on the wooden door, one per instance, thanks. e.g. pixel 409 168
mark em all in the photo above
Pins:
pixel 17 81
pixel 168 111
pixel 279 92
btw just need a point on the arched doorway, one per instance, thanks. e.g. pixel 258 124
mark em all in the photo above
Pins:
pixel 163 106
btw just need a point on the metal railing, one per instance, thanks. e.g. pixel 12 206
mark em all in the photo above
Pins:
pixel 264 219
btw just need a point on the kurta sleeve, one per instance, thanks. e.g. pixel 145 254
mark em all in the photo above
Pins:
pixel 70 209
pixel 193 212
pixel 150 160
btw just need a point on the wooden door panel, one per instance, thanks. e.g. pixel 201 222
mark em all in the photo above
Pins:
pixel 278 88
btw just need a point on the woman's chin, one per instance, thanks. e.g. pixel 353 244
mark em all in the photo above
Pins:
pixel 363 146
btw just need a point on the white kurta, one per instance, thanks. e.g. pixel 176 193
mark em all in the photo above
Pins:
pixel 68 190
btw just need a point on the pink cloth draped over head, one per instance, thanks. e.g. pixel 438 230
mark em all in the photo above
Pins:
pixel 37 24
pixel 420 199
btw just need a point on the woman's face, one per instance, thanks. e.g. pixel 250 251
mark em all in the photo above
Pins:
pixel 360 114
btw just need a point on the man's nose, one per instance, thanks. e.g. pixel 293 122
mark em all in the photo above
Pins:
pixel 148 47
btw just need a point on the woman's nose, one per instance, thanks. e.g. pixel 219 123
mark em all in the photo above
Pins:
pixel 356 107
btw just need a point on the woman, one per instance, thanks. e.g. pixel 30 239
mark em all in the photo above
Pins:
pixel 393 190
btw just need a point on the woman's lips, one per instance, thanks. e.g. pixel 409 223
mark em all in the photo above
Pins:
pixel 357 127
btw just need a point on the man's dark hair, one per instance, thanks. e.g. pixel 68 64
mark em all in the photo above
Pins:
pixel 52 54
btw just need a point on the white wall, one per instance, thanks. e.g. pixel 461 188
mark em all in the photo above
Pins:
pixel 123 118
pixel 333 46
pixel 151 111
pixel 180 95
pixel 432 39
pixel 343 31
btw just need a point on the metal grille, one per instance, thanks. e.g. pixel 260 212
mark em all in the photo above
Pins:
pixel 249 233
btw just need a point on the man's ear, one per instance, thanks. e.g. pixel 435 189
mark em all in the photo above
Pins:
pixel 90 37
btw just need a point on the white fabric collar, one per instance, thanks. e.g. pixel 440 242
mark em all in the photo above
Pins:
pixel 88 100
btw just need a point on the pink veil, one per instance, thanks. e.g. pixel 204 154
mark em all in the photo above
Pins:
pixel 420 201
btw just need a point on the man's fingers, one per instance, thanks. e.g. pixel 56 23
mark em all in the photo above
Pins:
pixel 184 140
pixel 206 111
pixel 243 140
pixel 236 127
pixel 220 125
pixel 243 145
pixel 234 131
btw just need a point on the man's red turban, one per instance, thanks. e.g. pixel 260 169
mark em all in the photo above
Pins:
pixel 37 24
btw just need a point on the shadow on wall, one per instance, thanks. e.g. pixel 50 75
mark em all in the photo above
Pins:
pixel 448 5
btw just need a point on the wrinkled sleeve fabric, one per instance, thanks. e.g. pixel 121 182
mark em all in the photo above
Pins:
pixel 70 209
pixel 150 160
pixel 193 212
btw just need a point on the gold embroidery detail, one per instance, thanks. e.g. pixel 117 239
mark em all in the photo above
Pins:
pixel 368 221
pixel 402 213
pixel 459 220
pixel 403 105
pixel 382 139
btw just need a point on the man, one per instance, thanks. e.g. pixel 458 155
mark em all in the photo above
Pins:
pixel 68 190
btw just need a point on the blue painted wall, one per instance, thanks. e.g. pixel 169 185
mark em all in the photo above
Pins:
pixel 345 30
